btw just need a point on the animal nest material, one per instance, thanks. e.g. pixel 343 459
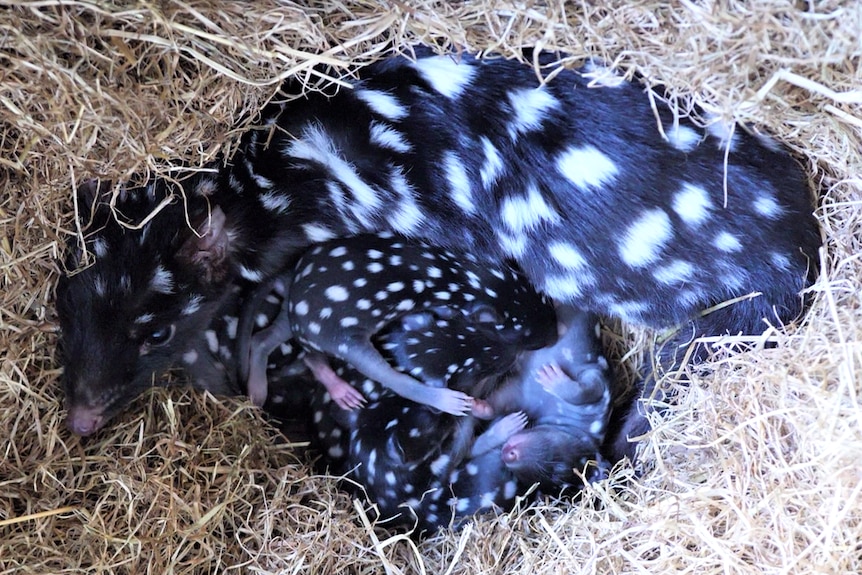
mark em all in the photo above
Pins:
pixel 755 469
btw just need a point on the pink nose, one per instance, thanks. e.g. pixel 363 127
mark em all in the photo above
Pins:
pixel 83 420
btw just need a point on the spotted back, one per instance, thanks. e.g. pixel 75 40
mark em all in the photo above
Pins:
pixel 361 284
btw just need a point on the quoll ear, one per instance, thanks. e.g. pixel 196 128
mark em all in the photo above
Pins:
pixel 207 250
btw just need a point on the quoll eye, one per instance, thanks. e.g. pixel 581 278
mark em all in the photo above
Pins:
pixel 161 336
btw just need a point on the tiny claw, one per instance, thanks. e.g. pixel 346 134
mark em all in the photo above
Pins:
pixel 454 402
pixel 513 423
pixel 551 376
pixel 347 397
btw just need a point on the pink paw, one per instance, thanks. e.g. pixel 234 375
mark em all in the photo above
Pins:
pixel 552 377
pixel 346 396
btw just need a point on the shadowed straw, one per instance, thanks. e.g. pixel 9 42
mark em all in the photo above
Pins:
pixel 754 470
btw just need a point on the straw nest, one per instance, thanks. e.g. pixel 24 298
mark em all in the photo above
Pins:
pixel 756 469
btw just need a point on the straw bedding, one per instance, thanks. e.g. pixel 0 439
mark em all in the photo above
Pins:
pixel 755 469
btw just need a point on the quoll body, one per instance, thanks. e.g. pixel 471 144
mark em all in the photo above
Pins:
pixel 344 291
pixel 432 470
pixel 604 197
pixel 564 391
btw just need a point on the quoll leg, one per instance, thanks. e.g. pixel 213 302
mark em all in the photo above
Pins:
pixel 368 361
pixel 342 393
pixel 263 343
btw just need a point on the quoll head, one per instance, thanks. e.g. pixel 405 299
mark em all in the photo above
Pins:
pixel 548 456
pixel 151 289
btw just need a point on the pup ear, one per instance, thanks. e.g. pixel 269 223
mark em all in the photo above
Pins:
pixel 207 250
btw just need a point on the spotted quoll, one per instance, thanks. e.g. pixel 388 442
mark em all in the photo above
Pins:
pixel 563 391
pixel 603 196
pixel 407 457
pixel 343 291
pixel 429 470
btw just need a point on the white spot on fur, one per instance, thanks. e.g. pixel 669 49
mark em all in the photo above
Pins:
pixel 374 267
pixel 767 142
pixel 193 305
pixel 600 75
pixel 405 305
pixel 438 466
pixel 459 183
pixel 382 103
pixel 395 286
pixel 445 75
pixel 434 272
pixel 315 145
pixel 212 340
pixel 566 286
pixel 336 293
pixel 514 246
pixel 586 167
pixel 100 247
pixel 683 138
pixel 530 106
pixel 261 181
pixel 145 318
pixel 629 310
pixel 275 202
pixel 727 242
pixel 205 186
pixel 386 137
pixel 567 255
pixel 510 489
pixel 317 233
pixel 251 275
pixel 780 261
pixel 766 205
pixel 163 281
pixel 100 286
pixel 643 240
pixel 692 204
pixel 523 213
pixel 349 321
pixel 314 327
pixel 372 463
pixel 597 426
pixel 363 304
pixel 676 272
pixel 493 164
pixel 301 308
pixel 407 217
pixel 337 252
pixel 190 357
pixel 722 131
pixel 231 323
